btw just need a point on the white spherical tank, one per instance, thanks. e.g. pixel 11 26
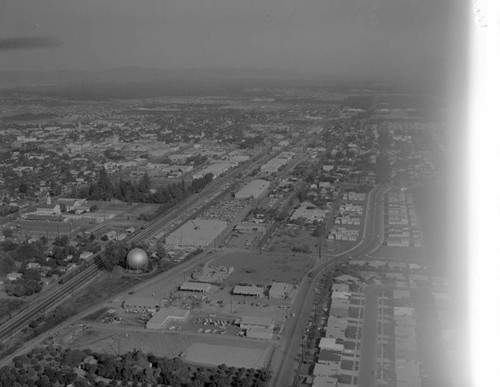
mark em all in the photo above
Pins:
pixel 137 259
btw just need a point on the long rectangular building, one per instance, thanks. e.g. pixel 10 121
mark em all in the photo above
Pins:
pixel 196 233
pixel 252 291
pixel 255 189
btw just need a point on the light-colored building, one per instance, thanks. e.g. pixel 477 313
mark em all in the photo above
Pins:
pixel 264 333
pixel 14 276
pixel 273 165
pixel 279 290
pixel 200 287
pixel 216 169
pixel 248 322
pixel 330 344
pixel 165 315
pixel 255 189
pixel 196 233
pixel 48 209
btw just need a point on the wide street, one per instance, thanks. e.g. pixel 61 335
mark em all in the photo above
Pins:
pixel 286 357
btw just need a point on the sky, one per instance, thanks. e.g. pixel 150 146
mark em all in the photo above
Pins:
pixel 353 37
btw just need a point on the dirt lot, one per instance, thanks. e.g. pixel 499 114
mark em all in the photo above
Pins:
pixel 287 240
pixel 206 349
pixel 252 268
pixel 229 355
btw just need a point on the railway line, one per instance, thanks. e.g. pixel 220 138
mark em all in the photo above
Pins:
pixel 46 301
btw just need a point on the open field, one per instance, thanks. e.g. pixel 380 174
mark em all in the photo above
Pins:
pixel 231 356
pixel 253 268
pixel 205 349
pixel 338 247
pixel 287 241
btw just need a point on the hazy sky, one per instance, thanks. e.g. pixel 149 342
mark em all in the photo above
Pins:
pixel 327 36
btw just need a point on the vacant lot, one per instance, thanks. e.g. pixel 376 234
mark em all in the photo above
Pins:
pixel 231 356
pixel 253 268
pixel 290 241
pixel 211 350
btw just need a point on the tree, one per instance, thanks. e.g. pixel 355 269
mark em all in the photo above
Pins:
pixel 8 233
pixel 114 254
pixel 144 183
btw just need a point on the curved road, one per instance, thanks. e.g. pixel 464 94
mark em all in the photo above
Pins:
pixel 284 361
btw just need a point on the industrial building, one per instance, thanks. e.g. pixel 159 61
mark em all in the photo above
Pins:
pixel 216 169
pixel 164 315
pixel 141 304
pixel 264 333
pixel 196 233
pixel 273 165
pixel 190 286
pixel 279 290
pixel 255 189
pixel 250 322
pixel 251 291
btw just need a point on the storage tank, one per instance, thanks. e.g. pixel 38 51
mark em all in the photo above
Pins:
pixel 137 259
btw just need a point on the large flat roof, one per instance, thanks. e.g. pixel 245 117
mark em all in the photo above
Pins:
pixel 248 290
pixel 195 286
pixel 253 189
pixel 259 321
pixel 196 232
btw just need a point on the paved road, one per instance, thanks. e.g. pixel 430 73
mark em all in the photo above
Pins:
pixel 285 358
pixel 368 355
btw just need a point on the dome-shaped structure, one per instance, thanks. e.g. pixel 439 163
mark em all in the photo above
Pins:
pixel 137 259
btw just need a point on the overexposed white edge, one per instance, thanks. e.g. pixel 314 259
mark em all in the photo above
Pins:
pixel 483 193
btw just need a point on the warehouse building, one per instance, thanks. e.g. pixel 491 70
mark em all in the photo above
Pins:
pixel 255 189
pixel 190 286
pixel 279 290
pixel 165 315
pixel 216 169
pixel 273 165
pixel 250 322
pixel 263 333
pixel 141 304
pixel 250 291
pixel 196 233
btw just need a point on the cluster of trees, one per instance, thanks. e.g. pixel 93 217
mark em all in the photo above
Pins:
pixel 27 285
pixel 23 252
pixel 132 368
pixel 128 191
pixel 114 254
